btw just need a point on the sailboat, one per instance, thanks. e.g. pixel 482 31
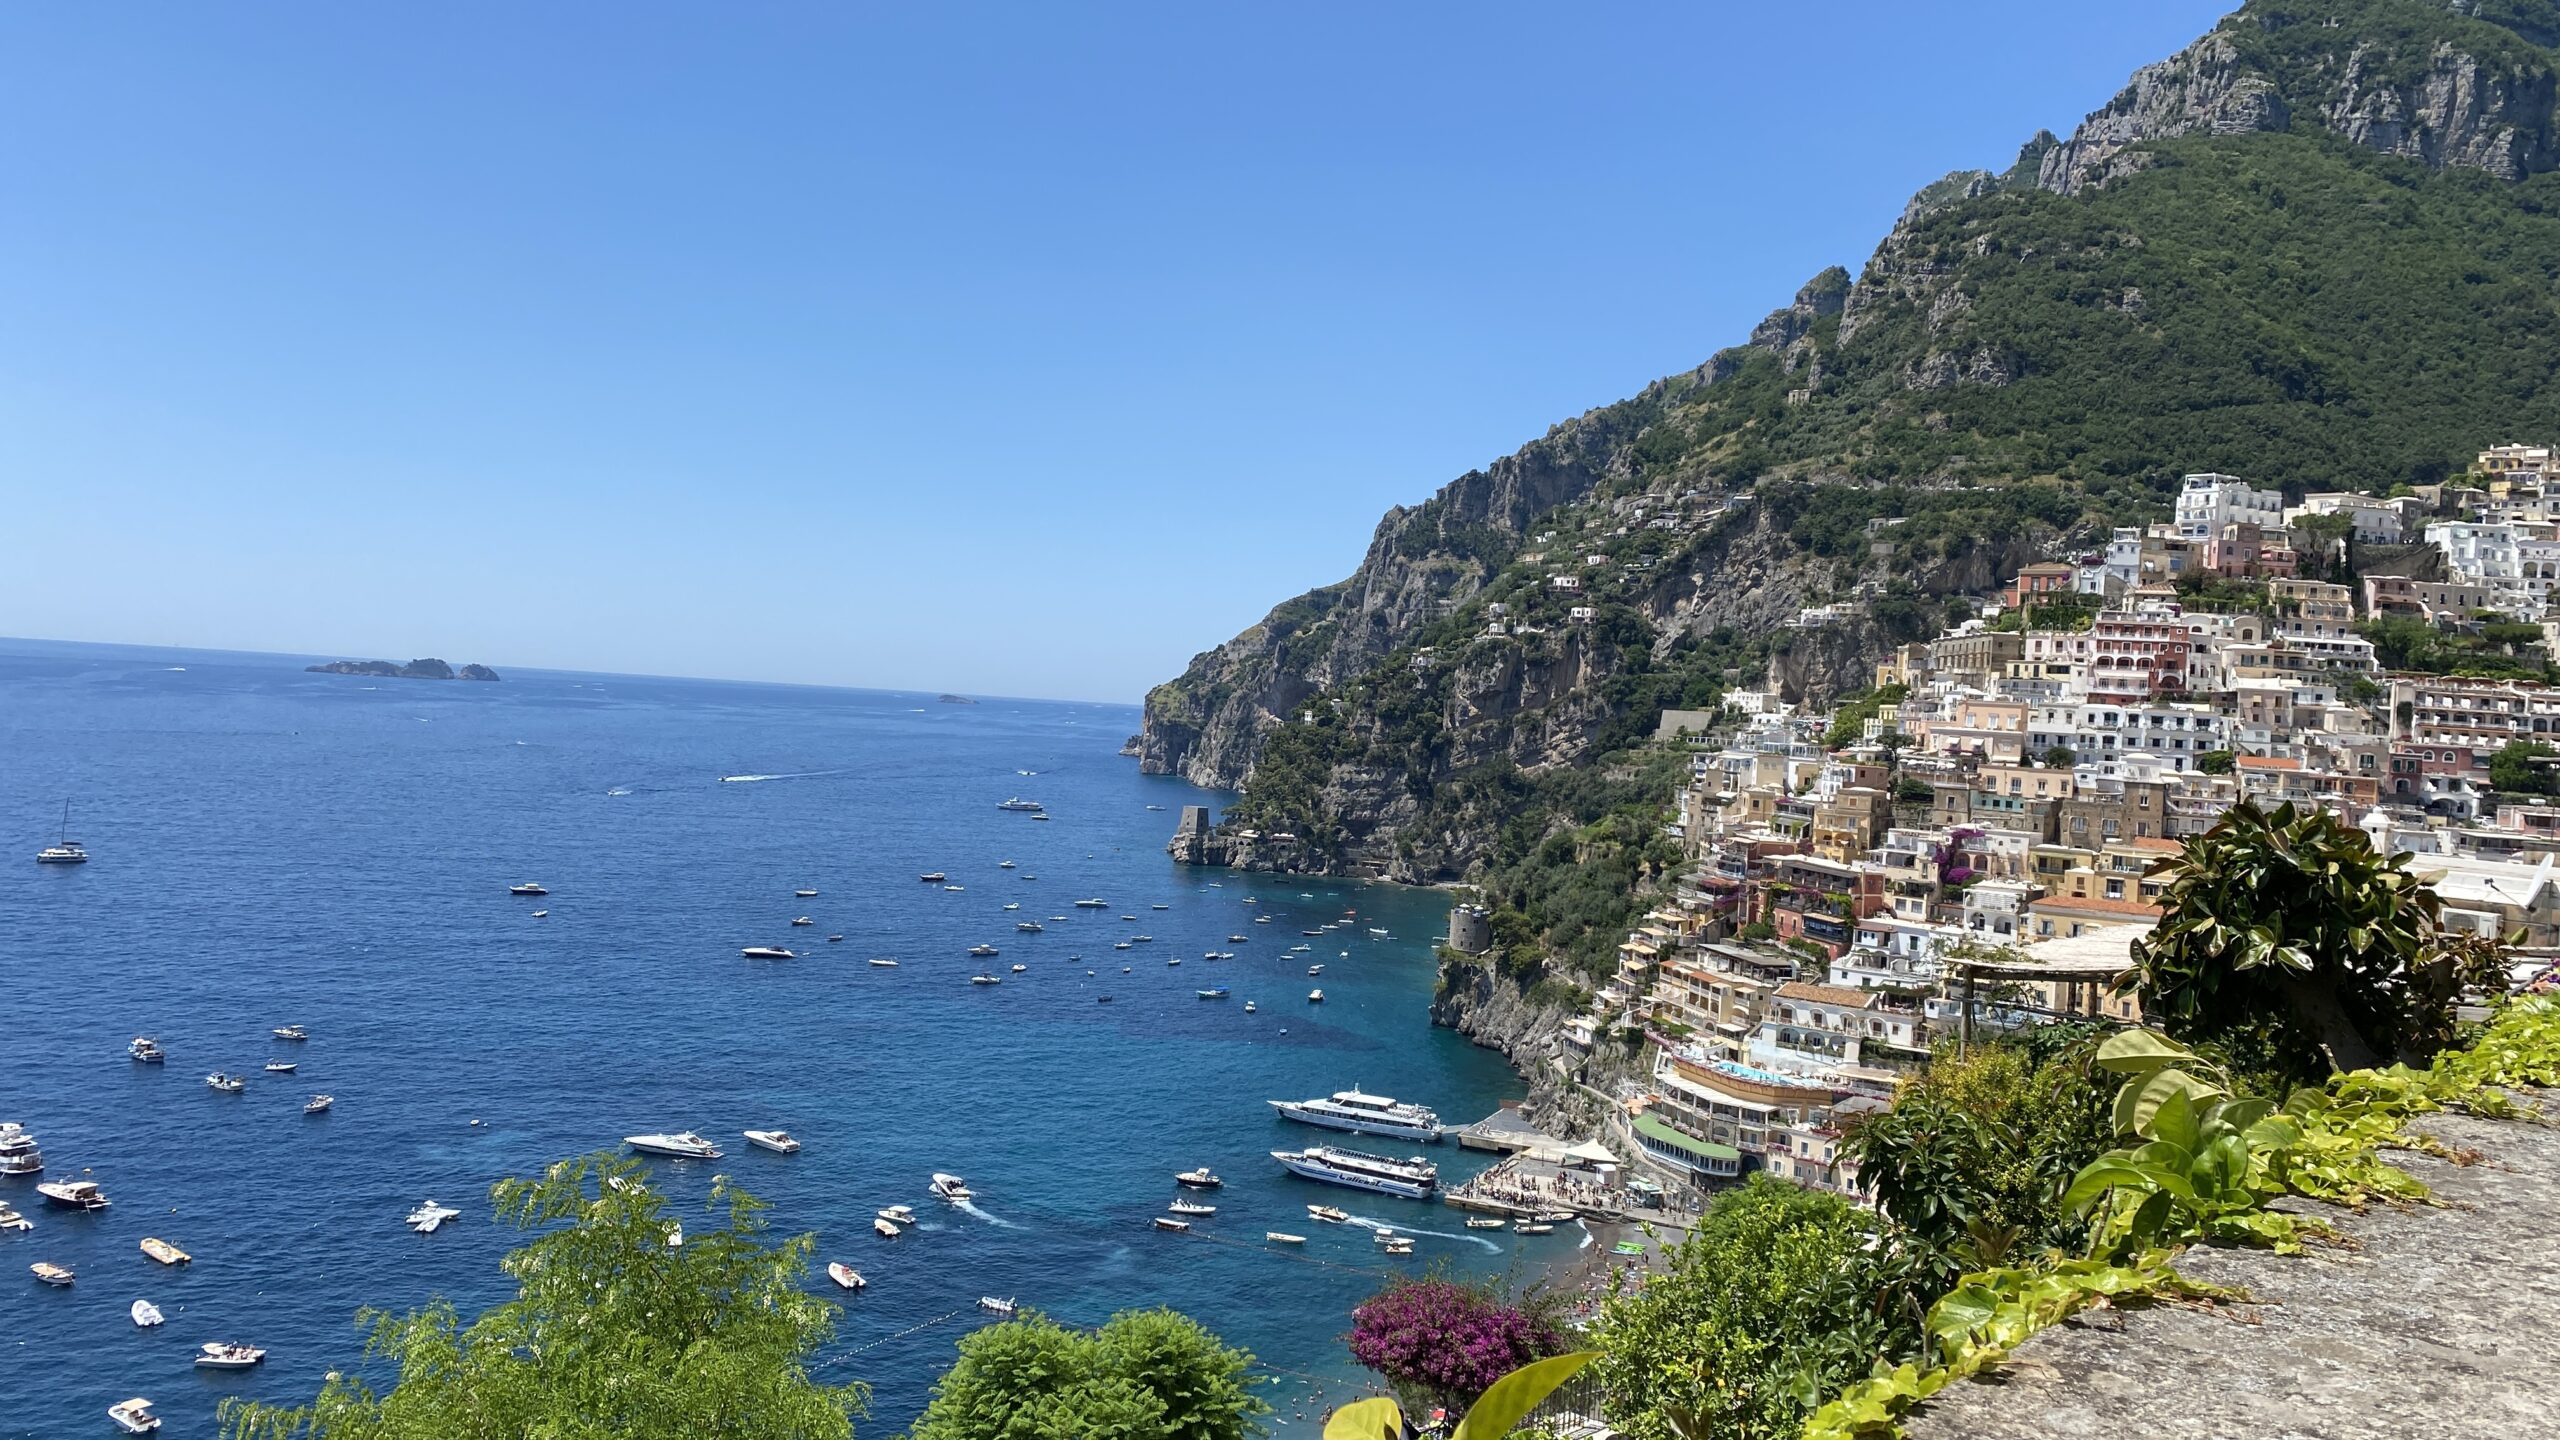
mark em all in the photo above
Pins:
pixel 65 851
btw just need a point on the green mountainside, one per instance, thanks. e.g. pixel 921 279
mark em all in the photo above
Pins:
pixel 2318 248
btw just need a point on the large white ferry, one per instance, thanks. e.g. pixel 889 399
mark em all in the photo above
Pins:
pixel 1414 1179
pixel 1364 1114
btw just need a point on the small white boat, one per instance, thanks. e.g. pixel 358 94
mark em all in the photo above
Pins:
pixel 164 1252
pixel 806 894
pixel 1201 1179
pixel 1004 864
pixel 282 1067
pixel 835 939
pixel 12 1220
pixel 1486 1222
pixel 675 1236
pixel 1167 1222
pixel 779 1142
pixel 767 952
pixel 527 888
pixel 885 1229
pixel 845 1275
pixel 50 1273
pixel 428 1217
pixel 803 920
pixel 949 1187
pixel 1315 969
pixel 222 1355
pixel 541 914
pixel 883 962
pixel 1019 969
pixel 145 1314
pixel 1533 1227
pixel 1558 1217
pixel 1191 1207
pixel 147 1050
pixel 982 951
pixel 683 1145
pixel 227 1084
pixel 1315 997
pixel 319 1103
pixel 986 979
pixel 1159 907
pixel 1248 1007
pixel 955 889
pixel 1000 1307
pixel 1283 1237
pixel 897 1214
pixel 134 1416
pixel 74 1194
pixel 1328 1214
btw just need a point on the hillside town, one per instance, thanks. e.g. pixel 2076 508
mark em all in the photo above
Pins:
pixel 1968 846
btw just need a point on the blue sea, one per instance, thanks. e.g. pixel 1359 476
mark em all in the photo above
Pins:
pixel 276 847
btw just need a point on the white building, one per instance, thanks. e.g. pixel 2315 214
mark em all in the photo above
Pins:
pixel 2096 732
pixel 2208 503
pixel 2377 521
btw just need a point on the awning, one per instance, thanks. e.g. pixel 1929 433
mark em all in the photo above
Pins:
pixel 1661 1134
pixel 1593 1151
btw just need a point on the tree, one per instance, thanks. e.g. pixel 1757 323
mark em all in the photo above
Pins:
pixel 2217 762
pixel 2060 757
pixel 1445 1342
pixel 1145 1375
pixel 613 1331
pixel 1773 1302
pixel 2519 768
pixel 2288 939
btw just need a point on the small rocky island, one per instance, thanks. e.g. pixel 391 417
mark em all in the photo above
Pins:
pixel 955 699
pixel 427 669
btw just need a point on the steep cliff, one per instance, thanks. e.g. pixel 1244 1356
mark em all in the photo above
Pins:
pixel 2313 248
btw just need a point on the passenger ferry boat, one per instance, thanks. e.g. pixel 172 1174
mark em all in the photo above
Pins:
pixel 1414 1179
pixel 1364 1114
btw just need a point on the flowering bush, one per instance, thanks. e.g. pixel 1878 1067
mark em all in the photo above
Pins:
pixel 1446 1340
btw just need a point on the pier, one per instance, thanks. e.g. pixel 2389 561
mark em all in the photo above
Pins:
pixel 1506 1132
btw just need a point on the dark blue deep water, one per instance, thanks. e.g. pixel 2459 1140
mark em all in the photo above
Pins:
pixel 273 846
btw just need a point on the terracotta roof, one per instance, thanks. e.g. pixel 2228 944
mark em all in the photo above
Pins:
pixel 2153 842
pixel 2267 762
pixel 1826 994
pixel 2130 909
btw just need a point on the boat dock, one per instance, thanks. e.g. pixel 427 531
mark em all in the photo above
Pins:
pixel 1505 1132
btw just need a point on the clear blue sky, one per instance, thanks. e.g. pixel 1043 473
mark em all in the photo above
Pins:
pixel 1014 349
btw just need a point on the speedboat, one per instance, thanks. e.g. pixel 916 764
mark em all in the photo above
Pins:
pixel 290 1032
pixel 1239 939
pixel 1248 1007
pixel 427 1217
pixel 1018 803
pixel 1159 907
pixel 983 950
pixel 1380 933
pixel 1040 815
pixel 164 1252
pixel 767 952
pixel 955 889
pixel 50 1273
pixel 1004 864
pixel 1167 1222
pixel 835 939
pixel 1315 997
pixel 1000 1307
pixel 146 1050
pixel 134 1416
pixel 1176 960
pixel 777 1141
pixel 884 962
pixel 1093 904
pixel 933 877
pixel 1120 945
pixel 12 1220
pixel 541 914
pixel 527 888
pixel 1283 1237
pixel 145 1314
pixel 1201 1179
pixel 1214 992
pixel 1328 1214
pixel 845 1275
pixel 1534 1227
pixel 221 1355
pixel 1018 969
pixel 805 894
pixel 675 1235
pixel 282 1067
pixel 319 1103
pixel 683 1145
pixel 1315 969
pixel 1558 1217
pixel 1191 1207
pixel 886 1229
pixel 1013 905
pixel 897 1214
pixel 949 1187
pixel 1485 1222
pixel 1028 927
pixel 73 1194
pixel 984 979
pixel 1396 1247
pixel 803 920
pixel 227 1084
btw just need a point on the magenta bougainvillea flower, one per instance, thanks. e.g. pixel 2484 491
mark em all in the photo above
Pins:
pixel 1450 1340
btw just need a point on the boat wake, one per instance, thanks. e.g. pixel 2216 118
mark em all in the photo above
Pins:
pixel 619 790
pixel 1369 1223
pixel 971 1207
pixel 793 775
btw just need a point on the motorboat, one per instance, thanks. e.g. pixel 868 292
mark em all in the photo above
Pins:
pixel 12 1220
pixel 63 851
pixel 1311 932
pixel 428 1217
pixel 767 952
pixel 1176 960
pixel 1167 1222
pixel 835 939
pixel 1191 1207
pixel 1214 992
pixel 985 979
pixel 1283 1237
pixel 222 1355
pixel 50 1273
pixel 145 1314
pixel 73 1194
pixel 884 962
pixel 1328 1214
pixel 527 888
pixel 991 1303
pixel 984 950
pixel 318 1103
pixel 682 1145
pixel 933 877
pixel 1239 939
pixel 1201 1179
pixel 1028 807
pixel 949 1187
pixel 1558 1217
pixel 1040 815
pixel 1396 1247
pixel 1315 997
pixel 1486 1222
pixel 802 920
pixel 290 1032
pixel 675 1236
pixel 1363 1114
pixel 1159 907
pixel 541 914
pixel 1380 933
pixel 805 894
pixel 227 1084
pixel 1248 1007
pixel 1029 927
pixel 1413 1179
pixel 146 1050
pixel 845 1275
pixel 955 889
pixel 897 1214
pixel 780 1142
pixel 134 1416
pixel 886 1229
pixel 1093 904
pixel 1120 945
pixel 1018 969
pixel 1315 969
pixel 1534 1227
pixel 1004 864
pixel 164 1252
pixel 282 1067
pixel 1013 905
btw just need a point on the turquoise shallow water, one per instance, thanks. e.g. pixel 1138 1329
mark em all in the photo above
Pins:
pixel 273 846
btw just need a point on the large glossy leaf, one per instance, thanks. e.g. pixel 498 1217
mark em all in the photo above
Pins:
pixel 1372 1419
pixel 2173 1121
pixel 1516 1394
pixel 2139 1052
pixel 2139 1101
